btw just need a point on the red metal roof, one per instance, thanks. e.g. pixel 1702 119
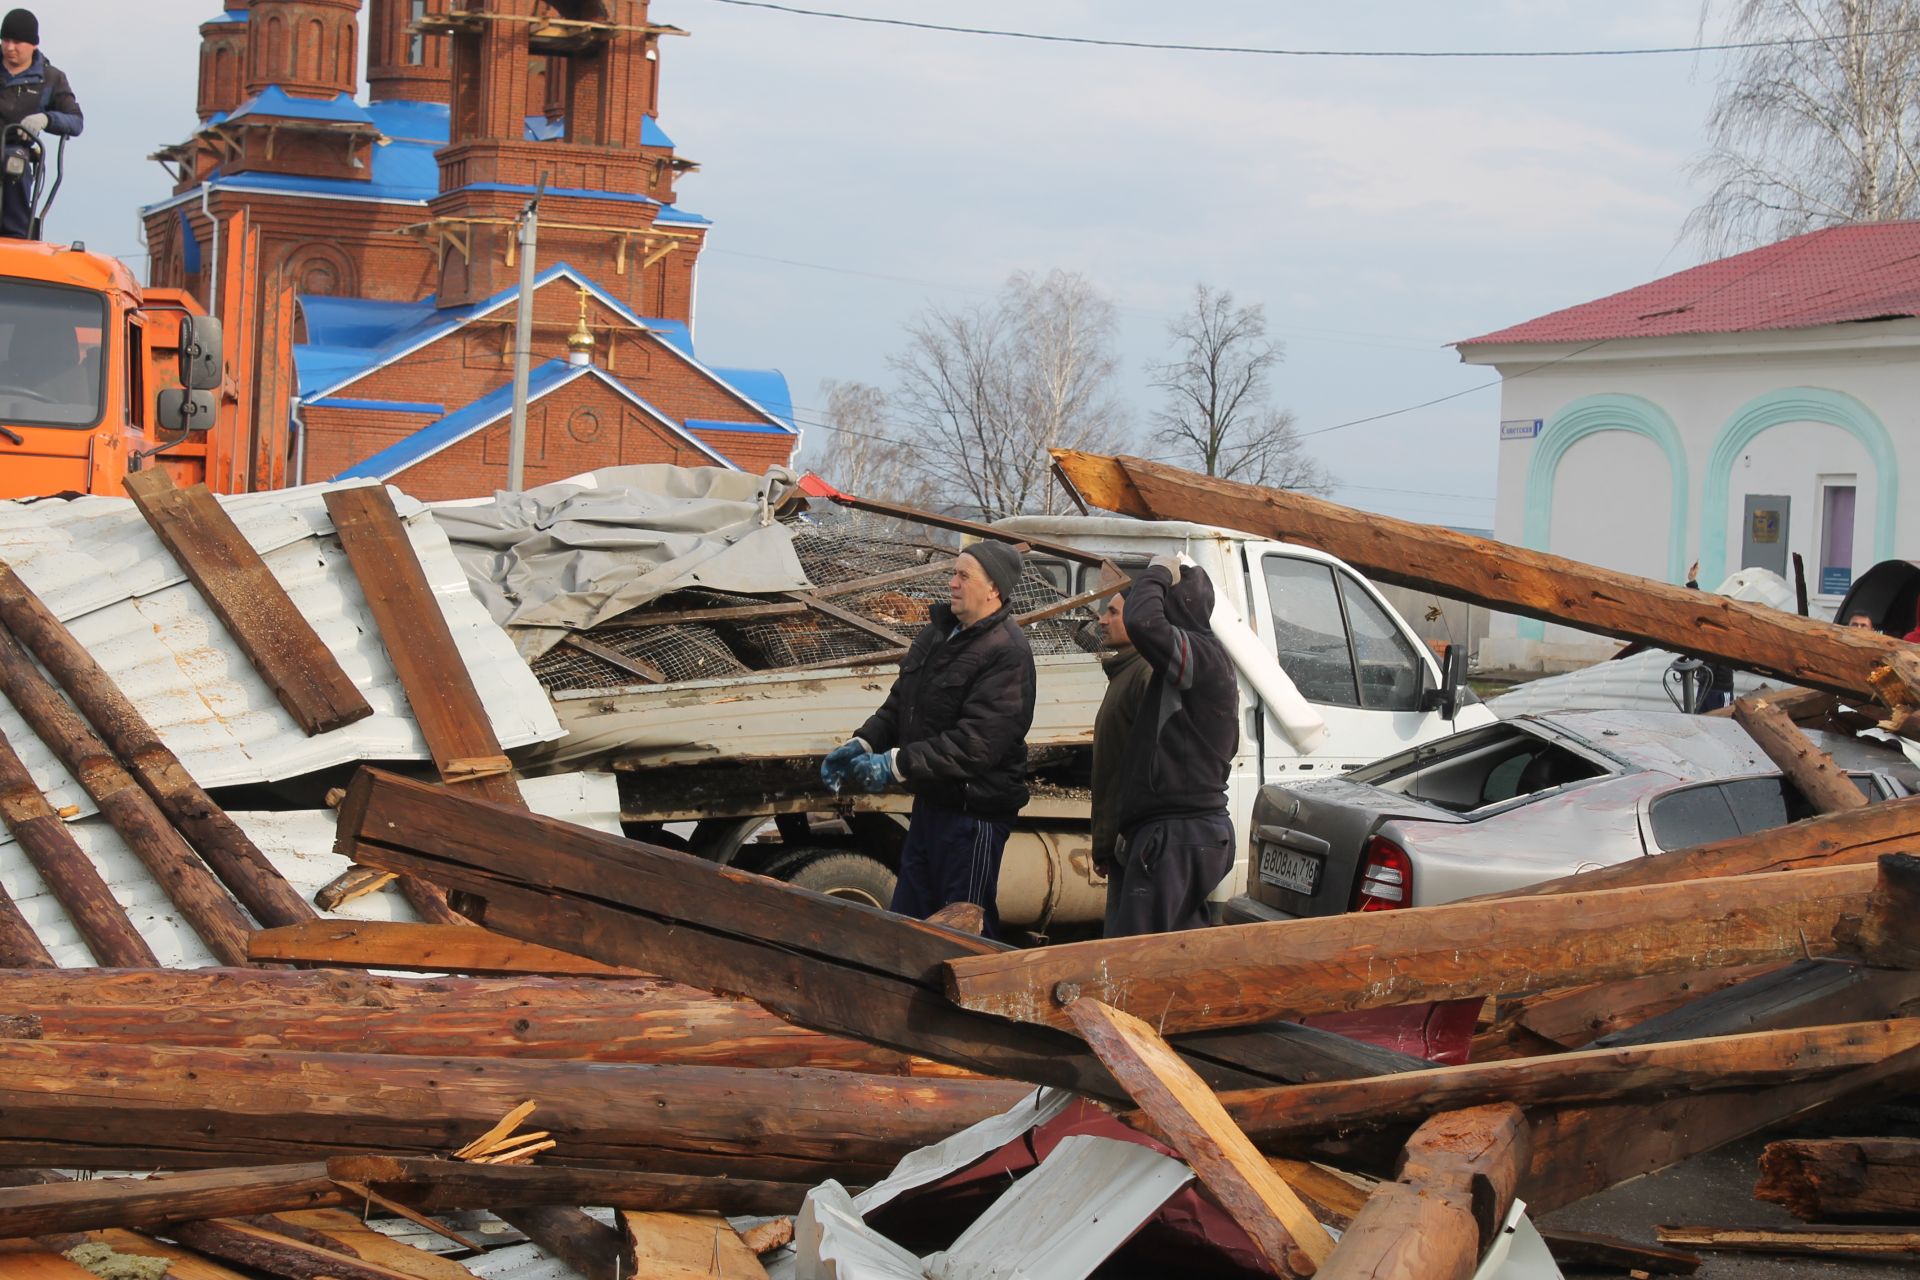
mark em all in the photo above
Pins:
pixel 1869 271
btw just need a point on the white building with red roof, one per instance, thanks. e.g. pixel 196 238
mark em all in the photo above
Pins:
pixel 1732 414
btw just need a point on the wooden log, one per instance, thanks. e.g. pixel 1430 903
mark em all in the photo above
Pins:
pixel 19 944
pixel 62 1207
pixel 239 863
pixel 66 870
pixel 1813 773
pixel 1457 1182
pixel 1589 1251
pixel 437 1186
pixel 1754 1061
pixel 584 1020
pixel 961 917
pixel 1843 1179
pixel 823 962
pixel 1193 1122
pixel 421 948
pixel 1887 935
pixel 131 811
pixel 685 1246
pixel 1498 575
pixel 1287 969
pixel 1818 1242
pixel 347 1233
pixel 1835 839
pixel 586 1244
pixel 170 1107
pixel 243 593
pixel 276 1254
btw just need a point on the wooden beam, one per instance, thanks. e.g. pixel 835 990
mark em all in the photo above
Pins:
pixel 1498 575
pixel 249 601
pixel 647 617
pixel 1887 935
pixel 580 1020
pixel 1288 969
pixel 348 1233
pixel 586 1244
pixel 847 616
pixel 61 1207
pixel 1589 1251
pixel 19 944
pixel 239 863
pixel 163 1106
pixel 422 948
pixel 1843 1179
pixel 1753 1061
pixel 632 666
pixel 276 1254
pixel 1818 1242
pixel 1193 1122
pixel 68 873
pixel 437 1186
pixel 1813 773
pixel 973 528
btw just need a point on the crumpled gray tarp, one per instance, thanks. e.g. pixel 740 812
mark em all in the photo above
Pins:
pixel 563 557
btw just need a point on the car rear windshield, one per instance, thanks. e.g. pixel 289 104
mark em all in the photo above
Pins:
pixel 1480 768
pixel 52 355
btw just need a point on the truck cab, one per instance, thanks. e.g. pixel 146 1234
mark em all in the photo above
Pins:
pixel 97 375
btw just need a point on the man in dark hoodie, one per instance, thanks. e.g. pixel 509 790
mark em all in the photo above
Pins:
pixel 35 95
pixel 953 730
pixel 1176 840
pixel 1127 678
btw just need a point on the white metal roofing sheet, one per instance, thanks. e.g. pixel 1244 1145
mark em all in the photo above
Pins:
pixel 101 569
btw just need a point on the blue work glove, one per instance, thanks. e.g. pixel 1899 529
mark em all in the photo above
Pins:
pixel 833 770
pixel 874 772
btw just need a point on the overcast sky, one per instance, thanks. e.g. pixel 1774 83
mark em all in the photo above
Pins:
pixel 1379 208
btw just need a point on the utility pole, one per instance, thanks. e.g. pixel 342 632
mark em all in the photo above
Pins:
pixel 529 241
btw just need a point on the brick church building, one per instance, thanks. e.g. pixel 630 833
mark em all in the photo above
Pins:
pixel 363 255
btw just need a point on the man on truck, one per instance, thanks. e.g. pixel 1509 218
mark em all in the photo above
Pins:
pixel 1127 677
pixel 953 730
pixel 1176 838
pixel 35 95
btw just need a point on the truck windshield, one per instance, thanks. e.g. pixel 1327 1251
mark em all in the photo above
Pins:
pixel 52 366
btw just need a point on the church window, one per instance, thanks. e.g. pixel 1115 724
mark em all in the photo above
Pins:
pixel 416 42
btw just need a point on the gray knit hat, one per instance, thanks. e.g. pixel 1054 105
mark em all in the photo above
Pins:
pixel 1001 563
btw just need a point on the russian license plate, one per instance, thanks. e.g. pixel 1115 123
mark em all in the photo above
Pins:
pixel 1289 868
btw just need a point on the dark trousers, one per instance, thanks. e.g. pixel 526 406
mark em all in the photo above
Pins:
pixel 15 215
pixel 949 857
pixel 1167 868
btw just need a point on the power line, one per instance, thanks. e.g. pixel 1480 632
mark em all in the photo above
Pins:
pixel 1174 47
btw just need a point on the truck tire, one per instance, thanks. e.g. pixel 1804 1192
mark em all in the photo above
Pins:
pixel 853 876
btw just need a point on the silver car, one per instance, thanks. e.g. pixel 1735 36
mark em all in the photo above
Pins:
pixel 1521 801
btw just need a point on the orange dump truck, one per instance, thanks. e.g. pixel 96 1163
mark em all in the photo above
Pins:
pixel 100 377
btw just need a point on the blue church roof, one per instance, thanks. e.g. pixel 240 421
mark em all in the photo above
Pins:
pixel 278 103
pixel 765 387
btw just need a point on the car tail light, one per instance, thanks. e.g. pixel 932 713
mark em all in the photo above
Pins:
pixel 1386 877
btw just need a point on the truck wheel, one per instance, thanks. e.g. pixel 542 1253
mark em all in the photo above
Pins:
pixel 853 876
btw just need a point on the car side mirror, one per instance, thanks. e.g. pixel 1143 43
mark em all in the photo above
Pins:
pixel 200 353
pixel 181 411
pixel 1453 678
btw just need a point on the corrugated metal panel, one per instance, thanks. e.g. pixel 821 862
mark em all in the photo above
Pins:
pixel 300 845
pixel 122 595
pixel 1623 684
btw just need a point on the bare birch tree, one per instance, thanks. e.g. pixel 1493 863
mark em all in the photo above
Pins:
pixel 1815 132
pixel 856 450
pixel 1217 417
pixel 984 391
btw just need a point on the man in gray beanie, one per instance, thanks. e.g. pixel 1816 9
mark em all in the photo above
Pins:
pixel 953 731
pixel 35 95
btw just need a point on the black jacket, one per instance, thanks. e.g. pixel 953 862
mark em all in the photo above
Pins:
pixel 1188 728
pixel 959 713
pixel 42 87
pixel 1127 678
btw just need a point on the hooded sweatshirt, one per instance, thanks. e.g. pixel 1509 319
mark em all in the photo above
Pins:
pixel 1188 729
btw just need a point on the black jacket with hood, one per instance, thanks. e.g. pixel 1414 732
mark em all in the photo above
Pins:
pixel 959 713
pixel 1188 729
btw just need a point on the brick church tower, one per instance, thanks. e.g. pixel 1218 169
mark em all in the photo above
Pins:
pixel 364 255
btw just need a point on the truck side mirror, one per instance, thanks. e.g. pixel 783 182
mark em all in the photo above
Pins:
pixel 201 357
pixel 181 411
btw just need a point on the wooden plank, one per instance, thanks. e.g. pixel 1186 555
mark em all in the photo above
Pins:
pixel 1819 1242
pixel 62 1207
pixel 685 1246
pixel 823 962
pixel 973 528
pixel 425 948
pixel 346 1231
pixel 168 858
pixel 239 863
pixel 632 666
pixel 1195 1125
pixel 41 1266
pixel 68 873
pixel 241 590
pixel 1753 1061
pixel 1843 1179
pixel 175 1107
pixel 847 616
pixel 1458 1178
pixel 182 1264
pixel 1803 994
pixel 437 1186
pixel 1813 773
pixel 1498 575
pixel 1287 969
pixel 1588 1251
pixel 772 608
pixel 277 1254
pixel 1555 1020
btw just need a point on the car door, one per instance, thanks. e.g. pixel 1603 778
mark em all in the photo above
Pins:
pixel 1347 654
